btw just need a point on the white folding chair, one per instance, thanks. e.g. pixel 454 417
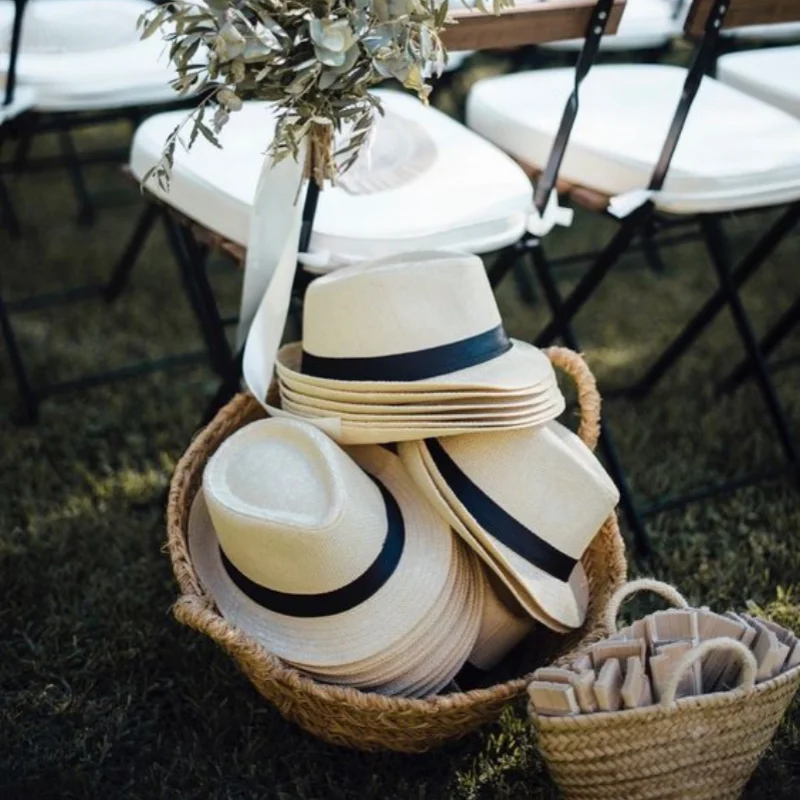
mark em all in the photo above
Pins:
pixel 771 74
pixel 88 65
pixel 432 184
pixel 635 156
pixel 647 26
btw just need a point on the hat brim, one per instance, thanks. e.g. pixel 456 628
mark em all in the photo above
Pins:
pixel 355 405
pixel 500 418
pixel 524 581
pixel 565 602
pixel 381 623
pixel 522 368
pixel 362 433
pixel 404 669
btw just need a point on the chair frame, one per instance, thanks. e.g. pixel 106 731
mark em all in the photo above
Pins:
pixel 705 21
pixel 558 19
pixel 31 396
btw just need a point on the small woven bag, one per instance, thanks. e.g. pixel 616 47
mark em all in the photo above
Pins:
pixel 703 747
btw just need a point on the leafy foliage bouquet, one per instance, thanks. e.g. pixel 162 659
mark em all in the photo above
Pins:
pixel 314 59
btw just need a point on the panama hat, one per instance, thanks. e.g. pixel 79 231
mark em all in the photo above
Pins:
pixel 289 364
pixel 416 461
pixel 504 624
pixel 530 501
pixel 422 321
pixel 320 560
pixel 444 641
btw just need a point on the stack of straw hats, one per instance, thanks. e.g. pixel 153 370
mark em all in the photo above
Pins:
pixel 412 347
pixel 389 567
pixel 334 562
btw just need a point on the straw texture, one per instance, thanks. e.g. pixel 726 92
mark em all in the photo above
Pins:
pixel 346 716
pixel 704 747
pixel 700 747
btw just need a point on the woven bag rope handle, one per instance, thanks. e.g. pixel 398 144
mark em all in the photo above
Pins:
pixel 741 653
pixel 669 593
pixel 588 396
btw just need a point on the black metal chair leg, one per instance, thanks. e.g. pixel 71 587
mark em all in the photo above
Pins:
pixel 652 252
pixel 613 251
pixel 122 269
pixel 709 312
pixel 228 388
pixel 717 245
pixel 192 265
pixel 526 286
pixel 29 399
pixel 785 325
pixel 8 214
pixel 553 297
pixel 504 263
pixel 85 207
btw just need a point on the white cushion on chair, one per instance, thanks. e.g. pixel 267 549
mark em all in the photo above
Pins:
pixel 770 74
pixel 735 151
pixel 24 100
pixel 645 25
pixel 470 196
pixel 87 54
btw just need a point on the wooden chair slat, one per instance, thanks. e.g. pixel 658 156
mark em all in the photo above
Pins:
pixel 743 12
pixel 551 21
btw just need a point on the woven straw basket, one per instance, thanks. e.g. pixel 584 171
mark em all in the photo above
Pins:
pixel 704 747
pixel 346 716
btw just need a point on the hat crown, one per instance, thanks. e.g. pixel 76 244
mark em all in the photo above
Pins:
pixel 544 477
pixel 292 511
pixel 403 304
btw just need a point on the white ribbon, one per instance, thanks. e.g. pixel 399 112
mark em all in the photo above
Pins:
pixel 270 268
pixel 624 205
pixel 554 214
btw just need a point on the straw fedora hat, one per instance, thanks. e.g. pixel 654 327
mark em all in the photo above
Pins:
pixel 504 624
pixel 421 322
pixel 320 561
pixel 529 501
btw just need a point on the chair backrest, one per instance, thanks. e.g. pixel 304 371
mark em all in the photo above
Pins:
pixel 16 35
pixel 535 23
pixel 740 13
pixel 705 21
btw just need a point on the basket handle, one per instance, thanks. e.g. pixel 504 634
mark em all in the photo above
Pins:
pixel 741 654
pixel 669 593
pixel 588 397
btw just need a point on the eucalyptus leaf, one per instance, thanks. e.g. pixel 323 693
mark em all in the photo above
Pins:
pixel 315 60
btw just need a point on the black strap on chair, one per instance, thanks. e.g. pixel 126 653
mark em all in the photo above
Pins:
pixel 16 35
pixel 591 46
pixel 702 64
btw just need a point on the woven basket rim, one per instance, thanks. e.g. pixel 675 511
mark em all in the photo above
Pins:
pixel 683 704
pixel 197 603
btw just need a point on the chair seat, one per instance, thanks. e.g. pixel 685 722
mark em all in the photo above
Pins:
pixel 432 184
pixel 24 100
pixel 783 32
pixel 771 75
pixel 735 151
pixel 645 25
pixel 82 55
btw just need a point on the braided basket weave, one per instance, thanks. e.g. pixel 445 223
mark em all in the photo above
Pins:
pixel 346 716
pixel 704 747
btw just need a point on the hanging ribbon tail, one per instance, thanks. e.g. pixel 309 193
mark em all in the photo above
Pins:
pixel 623 205
pixel 540 224
pixel 270 269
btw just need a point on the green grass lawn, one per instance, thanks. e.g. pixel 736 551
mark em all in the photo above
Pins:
pixel 104 695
